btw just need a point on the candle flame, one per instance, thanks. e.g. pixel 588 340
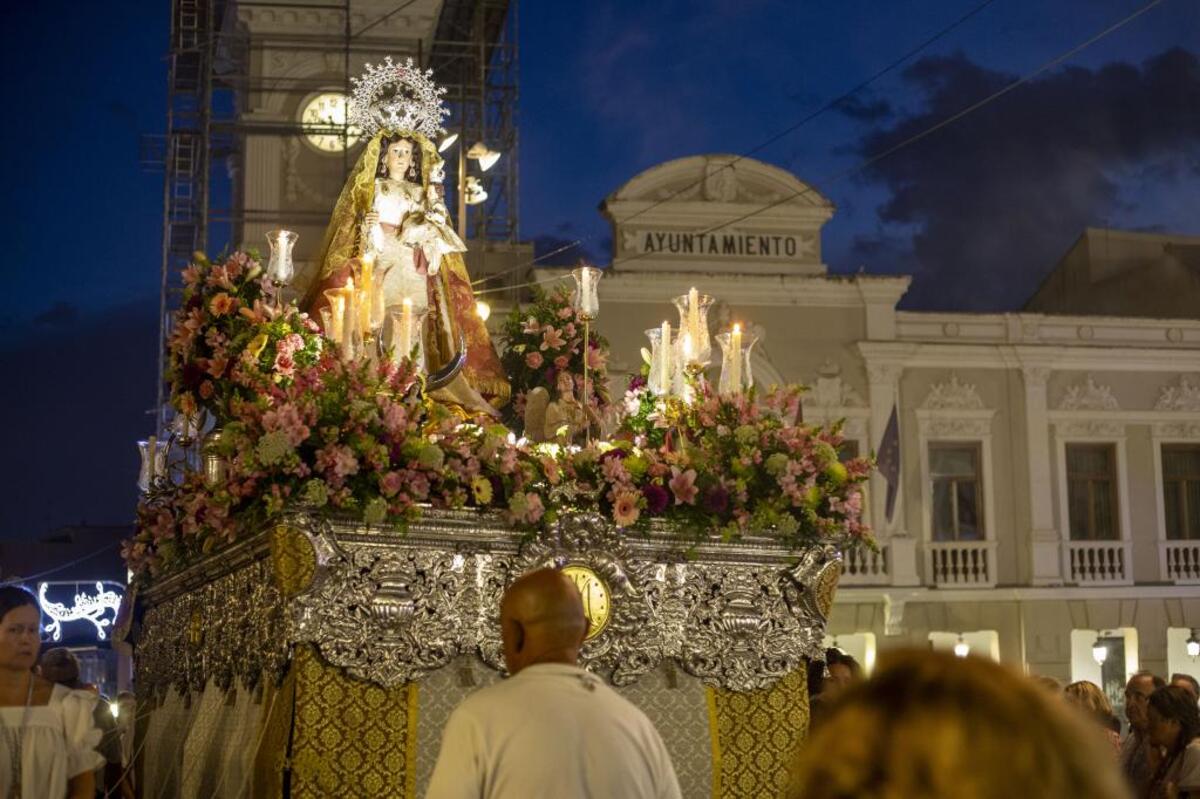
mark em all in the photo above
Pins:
pixel 737 328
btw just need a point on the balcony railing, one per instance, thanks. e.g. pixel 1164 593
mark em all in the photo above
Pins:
pixel 1098 562
pixel 1180 561
pixel 960 564
pixel 863 567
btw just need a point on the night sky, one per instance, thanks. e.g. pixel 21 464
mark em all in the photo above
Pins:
pixel 977 212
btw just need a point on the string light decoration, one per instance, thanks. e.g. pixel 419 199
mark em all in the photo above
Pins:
pixel 398 97
pixel 87 607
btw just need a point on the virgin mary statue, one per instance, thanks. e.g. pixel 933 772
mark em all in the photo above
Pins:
pixel 392 204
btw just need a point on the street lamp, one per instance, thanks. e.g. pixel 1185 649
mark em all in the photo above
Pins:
pixel 1099 652
pixel 470 189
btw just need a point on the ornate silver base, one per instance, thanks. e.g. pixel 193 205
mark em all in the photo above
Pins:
pixel 391 606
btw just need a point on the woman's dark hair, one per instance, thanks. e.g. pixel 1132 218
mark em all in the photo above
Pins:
pixel 414 172
pixel 1176 704
pixel 16 596
pixel 1173 703
pixel 835 656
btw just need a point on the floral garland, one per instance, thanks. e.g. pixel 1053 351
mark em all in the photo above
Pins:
pixel 302 428
pixel 544 338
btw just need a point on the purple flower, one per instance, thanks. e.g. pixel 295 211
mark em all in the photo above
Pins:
pixel 716 500
pixel 656 498
pixel 636 382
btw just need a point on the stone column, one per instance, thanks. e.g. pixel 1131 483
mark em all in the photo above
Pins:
pixel 884 394
pixel 1044 543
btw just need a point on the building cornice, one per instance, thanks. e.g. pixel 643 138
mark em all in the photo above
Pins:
pixel 749 289
pixel 911 355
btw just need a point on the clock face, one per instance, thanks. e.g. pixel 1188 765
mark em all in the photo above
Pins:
pixel 323 113
pixel 596 597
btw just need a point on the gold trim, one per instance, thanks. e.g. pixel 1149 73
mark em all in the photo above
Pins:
pixel 710 695
pixel 410 744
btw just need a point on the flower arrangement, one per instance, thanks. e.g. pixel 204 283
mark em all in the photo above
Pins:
pixel 226 337
pixel 302 428
pixel 542 340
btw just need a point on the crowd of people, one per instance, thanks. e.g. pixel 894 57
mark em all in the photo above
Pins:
pixel 925 724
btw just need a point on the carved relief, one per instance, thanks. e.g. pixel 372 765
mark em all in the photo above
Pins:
pixel 1090 428
pixel 953 395
pixel 1182 397
pixel 830 391
pixel 955 427
pixel 720 180
pixel 1090 396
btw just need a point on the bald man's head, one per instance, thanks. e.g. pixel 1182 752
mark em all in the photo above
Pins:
pixel 541 620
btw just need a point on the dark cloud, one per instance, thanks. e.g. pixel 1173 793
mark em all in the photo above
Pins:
pixel 61 314
pixel 995 198
pixel 861 110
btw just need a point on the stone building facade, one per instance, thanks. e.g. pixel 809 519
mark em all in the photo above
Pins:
pixel 1046 460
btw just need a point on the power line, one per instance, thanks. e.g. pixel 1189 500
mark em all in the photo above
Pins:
pixel 830 105
pixel 67 565
pixel 833 178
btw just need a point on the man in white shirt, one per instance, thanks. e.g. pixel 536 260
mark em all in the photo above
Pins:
pixel 551 729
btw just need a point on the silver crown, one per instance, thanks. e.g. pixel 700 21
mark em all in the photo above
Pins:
pixel 398 97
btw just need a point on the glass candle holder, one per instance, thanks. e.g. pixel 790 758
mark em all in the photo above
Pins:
pixel 736 376
pixel 586 299
pixel 280 268
pixel 407 323
pixel 693 310
pixel 662 378
pixel 154 462
pixel 334 315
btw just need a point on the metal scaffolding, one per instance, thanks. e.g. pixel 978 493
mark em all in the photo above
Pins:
pixel 212 75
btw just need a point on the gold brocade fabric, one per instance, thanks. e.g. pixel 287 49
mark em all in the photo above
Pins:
pixel 350 738
pixel 826 587
pixel 755 736
pixel 293 558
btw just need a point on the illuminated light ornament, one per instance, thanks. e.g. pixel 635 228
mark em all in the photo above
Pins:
pixel 1193 646
pixel 398 97
pixel 1099 653
pixel 86 608
pixel 962 648
pixel 473 191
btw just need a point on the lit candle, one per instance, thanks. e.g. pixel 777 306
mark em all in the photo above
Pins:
pixel 664 360
pixel 406 325
pixel 735 359
pixel 337 311
pixel 694 313
pixel 367 279
pixel 350 318
pixel 685 345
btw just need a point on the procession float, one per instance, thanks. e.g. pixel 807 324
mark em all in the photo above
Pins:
pixel 354 475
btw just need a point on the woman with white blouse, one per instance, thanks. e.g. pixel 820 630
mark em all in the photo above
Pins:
pixel 47 736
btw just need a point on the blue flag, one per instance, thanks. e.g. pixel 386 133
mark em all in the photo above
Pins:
pixel 888 461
